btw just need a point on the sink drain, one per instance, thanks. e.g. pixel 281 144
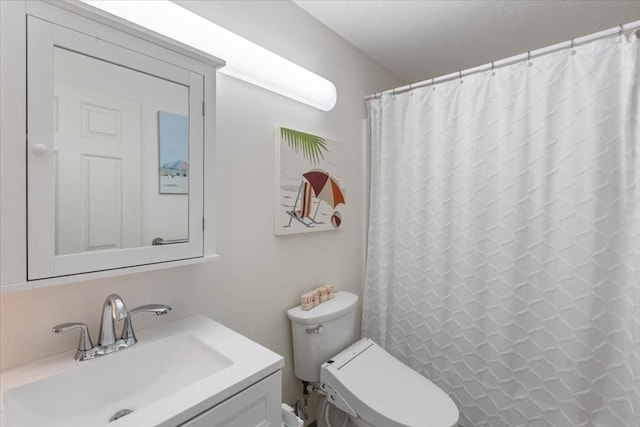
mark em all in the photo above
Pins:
pixel 121 413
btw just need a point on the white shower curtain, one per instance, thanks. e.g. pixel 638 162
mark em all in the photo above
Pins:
pixel 503 248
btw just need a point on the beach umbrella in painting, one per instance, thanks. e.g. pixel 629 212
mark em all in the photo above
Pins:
pixel 325 187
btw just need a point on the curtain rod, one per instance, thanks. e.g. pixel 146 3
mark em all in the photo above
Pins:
pixel 619 30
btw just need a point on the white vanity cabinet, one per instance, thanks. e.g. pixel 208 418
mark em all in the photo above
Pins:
pixel 107 146
pixel 258 405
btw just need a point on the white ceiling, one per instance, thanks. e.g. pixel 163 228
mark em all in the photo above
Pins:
pixel 418 40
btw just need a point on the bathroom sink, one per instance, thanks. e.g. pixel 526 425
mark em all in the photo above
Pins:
pixel 126 380
pixel 176 371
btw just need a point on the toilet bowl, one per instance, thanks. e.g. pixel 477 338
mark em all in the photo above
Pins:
pixel 361 379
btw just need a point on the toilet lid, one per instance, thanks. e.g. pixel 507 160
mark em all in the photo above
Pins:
pixel 385 392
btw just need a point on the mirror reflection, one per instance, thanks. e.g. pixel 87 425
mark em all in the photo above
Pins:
pixel 121 155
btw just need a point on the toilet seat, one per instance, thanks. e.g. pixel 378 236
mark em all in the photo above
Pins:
pixel 366 381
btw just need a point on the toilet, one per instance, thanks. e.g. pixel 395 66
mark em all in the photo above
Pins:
pixel 361 379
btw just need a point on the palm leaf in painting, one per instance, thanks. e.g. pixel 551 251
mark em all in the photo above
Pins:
pixel 310 146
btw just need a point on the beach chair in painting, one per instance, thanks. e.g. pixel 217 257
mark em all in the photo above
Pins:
pixel 305 201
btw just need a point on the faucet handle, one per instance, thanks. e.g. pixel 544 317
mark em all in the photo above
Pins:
pixel 85 343
pixel 128 334
pixel 158 309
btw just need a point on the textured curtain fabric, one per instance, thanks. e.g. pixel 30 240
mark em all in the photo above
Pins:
pixel 503 248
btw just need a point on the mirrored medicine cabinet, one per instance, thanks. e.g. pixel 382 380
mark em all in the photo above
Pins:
pixel 118 150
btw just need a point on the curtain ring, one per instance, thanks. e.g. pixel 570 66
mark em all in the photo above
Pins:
pixel 619 40
pixel 410 89
pixel 571 51
pixel 493 66
pixel 529 63
pixel 433 83
pixel 460 76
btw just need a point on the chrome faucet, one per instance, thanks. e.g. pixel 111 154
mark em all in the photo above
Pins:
pixel 113 309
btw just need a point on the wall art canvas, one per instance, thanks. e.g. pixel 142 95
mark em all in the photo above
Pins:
pixel 173 141
pixel 310 184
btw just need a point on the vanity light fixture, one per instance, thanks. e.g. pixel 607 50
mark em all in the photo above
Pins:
pixel 245 60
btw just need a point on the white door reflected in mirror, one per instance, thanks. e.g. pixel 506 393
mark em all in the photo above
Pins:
pixel 108 158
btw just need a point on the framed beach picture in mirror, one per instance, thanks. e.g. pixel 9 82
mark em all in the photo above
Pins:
pixel 310 183
pixel 173 144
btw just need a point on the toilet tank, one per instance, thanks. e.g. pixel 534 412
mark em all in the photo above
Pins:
pixel 321 333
